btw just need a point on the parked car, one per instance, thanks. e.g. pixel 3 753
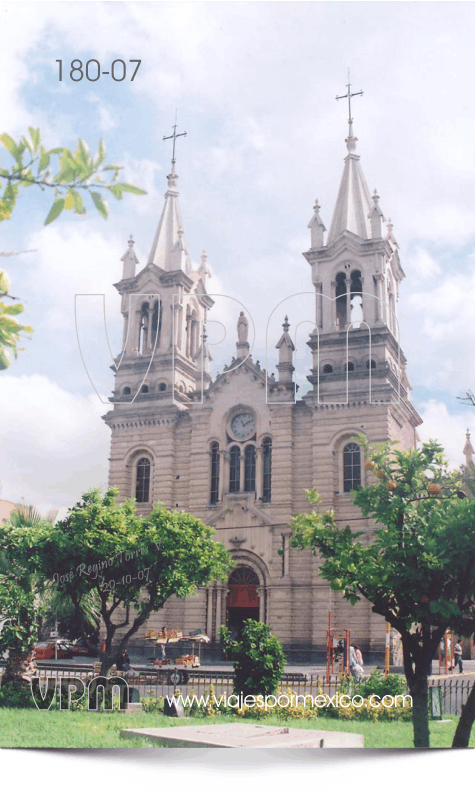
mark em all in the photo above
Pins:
pixel 45 650
pixel 78 647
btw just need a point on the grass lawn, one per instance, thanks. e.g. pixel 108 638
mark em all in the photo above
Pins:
pixel 28 728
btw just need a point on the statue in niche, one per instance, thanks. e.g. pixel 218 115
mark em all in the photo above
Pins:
pixel 357 311
pixel 242 327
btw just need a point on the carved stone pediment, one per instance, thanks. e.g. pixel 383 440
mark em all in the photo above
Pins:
pixel 237 510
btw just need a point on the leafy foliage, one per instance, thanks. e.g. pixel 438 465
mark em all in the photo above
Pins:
pixel 418 566
pixel 259 660
pixel 69 174
pixel 14 697
pixel 10 331
pixel 152 703
pixel 20 583
pixel 131 564
pixel 378 684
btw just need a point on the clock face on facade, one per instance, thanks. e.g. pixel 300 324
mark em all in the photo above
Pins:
pixel 243 425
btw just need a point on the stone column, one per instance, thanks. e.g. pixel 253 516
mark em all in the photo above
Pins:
pixel 188 335
pixel 318 306
pixel 379 309
pixel 194 338
pixel 176 324
pixel 334 319
pixel 221 475
pixel 209 612
pixel 262 594
pixel 218 611
pixel 286 556
pixel 135 331
pixel 348 299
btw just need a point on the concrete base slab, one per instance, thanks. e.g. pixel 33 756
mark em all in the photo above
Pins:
pixel 245 735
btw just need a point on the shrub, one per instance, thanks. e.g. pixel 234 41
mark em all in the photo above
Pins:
pixel 291 709
pixel 367 712
pixel 380 685
pixel 17 697
pixel 306 708
pixel 259 661
pixel 152 704
pixel 210 705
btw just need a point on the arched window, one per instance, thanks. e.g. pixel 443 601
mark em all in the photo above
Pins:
pixel 143 328
pixel 341 299
pixel 142 485
pixel 126 390
pixel 162 387
pixel 214 491
pixel 349 367
pixel 250 468
pixel 266 469
pixel 351 467
pixel 144 389
pixel 327 368
pixel 373 364
pixel 234 469
pixel 243 575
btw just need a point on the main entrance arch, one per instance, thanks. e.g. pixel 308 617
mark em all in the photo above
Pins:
pixel 242 600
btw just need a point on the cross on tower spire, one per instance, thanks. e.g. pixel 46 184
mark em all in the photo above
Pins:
pixel 351 140
pixel 174 136
pixel 349 97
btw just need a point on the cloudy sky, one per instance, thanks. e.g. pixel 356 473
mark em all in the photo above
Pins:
pixel 255 87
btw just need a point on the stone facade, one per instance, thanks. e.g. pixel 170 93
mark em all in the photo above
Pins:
pixel 240 451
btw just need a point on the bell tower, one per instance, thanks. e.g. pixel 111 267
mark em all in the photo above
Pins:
pixel 164 307
pixel 356 273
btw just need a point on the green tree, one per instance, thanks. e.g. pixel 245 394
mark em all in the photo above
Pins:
pixel 417 568
pixel 259 660
pixel 60 613
pixel 21 585
pixel 71 175
pixel 132 564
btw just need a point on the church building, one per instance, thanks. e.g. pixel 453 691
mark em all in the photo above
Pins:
pixel 239 451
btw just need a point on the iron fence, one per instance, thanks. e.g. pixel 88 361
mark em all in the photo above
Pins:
pixel 453 694
pixel 450 693
pixel 166 682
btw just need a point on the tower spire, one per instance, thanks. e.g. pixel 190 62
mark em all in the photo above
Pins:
pixel 468 450
pixel 169 250
pixel 353 205
pixel 286 348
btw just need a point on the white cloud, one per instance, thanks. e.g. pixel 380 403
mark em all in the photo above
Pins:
pixel 437 326
pixel 107 118
pixel 268 137
pixel 421 266
pixel 448 429
pixel 73 257
pixel 54 443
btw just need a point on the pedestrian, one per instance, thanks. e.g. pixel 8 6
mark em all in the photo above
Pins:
pixel 357 669
pixel 124 661
pixel 163 645
pixel 458 655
